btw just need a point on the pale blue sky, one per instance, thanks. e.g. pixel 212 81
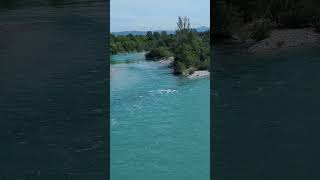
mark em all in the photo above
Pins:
pixel 143 15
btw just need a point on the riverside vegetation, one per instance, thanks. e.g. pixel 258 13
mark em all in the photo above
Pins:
pixel 190 49
pixel 254 21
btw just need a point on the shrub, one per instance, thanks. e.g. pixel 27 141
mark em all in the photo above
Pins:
pixel 316 25
pixel 158 53
pixel 179 68
pixel 186 55
pixel 227 18
pixel 203 65
pixel 291 13
pixel 261 29
pixel 294 18
pixel 316 22
pixel 280 44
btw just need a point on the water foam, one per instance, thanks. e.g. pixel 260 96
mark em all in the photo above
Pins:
pixel 163 91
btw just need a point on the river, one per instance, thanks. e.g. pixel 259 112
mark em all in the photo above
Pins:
pixel 54 85
pixel 265 114
pixel 160 122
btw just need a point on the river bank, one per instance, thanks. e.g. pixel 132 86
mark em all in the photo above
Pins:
pixel 286 38
pixel 199 74
pixel 193 75
pixel 278 39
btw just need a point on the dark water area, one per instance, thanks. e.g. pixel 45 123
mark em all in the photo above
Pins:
pixel 53 91
pixel 17 4
pixel 265 114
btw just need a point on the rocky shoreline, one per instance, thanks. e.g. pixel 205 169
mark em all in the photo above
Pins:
pixel 168 61
pixel 278 39
pixel 198 74
pixel 195 74
pixel 285 38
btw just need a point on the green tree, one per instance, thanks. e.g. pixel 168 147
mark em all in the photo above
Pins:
pixel 183 23
pixel 164 34
pixel 149 35
pixel 156 35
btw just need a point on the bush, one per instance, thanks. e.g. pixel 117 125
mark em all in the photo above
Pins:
pixel 186 54
pixel 158 53
pixel 261 29
pixel 203 65
pixel 179 68
pixel 316 25
pixel 294 18
pixel 292 13
pixel 316 22
pixel 226 19
pixel 280 44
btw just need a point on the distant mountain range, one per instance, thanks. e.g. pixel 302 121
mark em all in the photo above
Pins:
pixel 202 29
pixel 135 33
pixel 124 33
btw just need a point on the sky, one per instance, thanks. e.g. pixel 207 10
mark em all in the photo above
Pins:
pixel 145 15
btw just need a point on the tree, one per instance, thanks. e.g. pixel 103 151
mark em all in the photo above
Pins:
pixel 156 35
pixel 164 34
pixel 191 51
pixel 158 53
pixel 149 35
pixel 183 23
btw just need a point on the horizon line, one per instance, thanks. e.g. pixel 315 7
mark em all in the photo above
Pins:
pixel 154 30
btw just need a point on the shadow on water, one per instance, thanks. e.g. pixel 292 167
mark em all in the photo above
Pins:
pixel 265 114
pixel 126 61
pixel 127 58
pixel 53 80
pixel 57 2
pixel 61 3
pixel 14 4
pixel 8 4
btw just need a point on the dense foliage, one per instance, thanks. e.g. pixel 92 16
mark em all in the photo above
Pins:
pixel 128 43
pixel 190 49
pixel 261 29
pixel 158 53
pixel 139 43
pixel 234 14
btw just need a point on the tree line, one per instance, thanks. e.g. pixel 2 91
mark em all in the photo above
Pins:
pixel 232 14
pixel 139 43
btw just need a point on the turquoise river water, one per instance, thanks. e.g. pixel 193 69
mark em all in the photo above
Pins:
pixel 160 123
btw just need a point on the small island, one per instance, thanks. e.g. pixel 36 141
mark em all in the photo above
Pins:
pixel 186 51
pixel 264 26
